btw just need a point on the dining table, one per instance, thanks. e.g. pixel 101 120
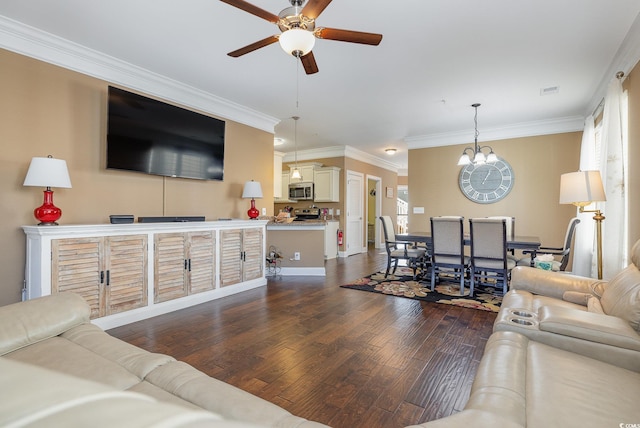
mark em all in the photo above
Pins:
pixel 518 242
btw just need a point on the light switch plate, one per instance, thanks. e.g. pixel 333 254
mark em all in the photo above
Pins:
pixel 418 210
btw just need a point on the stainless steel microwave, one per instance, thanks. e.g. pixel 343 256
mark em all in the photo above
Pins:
pixel 301 191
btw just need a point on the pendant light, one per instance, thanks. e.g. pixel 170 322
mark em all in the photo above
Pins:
pixel 295 174
pixel 479 157
pixel 296 171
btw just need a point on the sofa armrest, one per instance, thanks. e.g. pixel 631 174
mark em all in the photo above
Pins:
pixel 548 283
pixel 584 325
pixel 25 323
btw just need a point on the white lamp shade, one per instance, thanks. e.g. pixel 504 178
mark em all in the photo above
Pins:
pixel 48 172
pixel 252 190
pixel 581 188
pixel 295 174
pixel 297 40
pixel 464 159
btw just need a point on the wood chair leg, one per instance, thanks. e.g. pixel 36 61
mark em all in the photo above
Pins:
pixel 395 266
pixel 386 274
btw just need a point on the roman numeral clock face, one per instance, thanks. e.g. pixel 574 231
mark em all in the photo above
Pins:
pixel 487 183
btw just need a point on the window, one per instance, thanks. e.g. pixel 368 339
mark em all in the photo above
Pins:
pixel 403 209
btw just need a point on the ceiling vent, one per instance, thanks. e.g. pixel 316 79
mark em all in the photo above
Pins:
pixel 550 90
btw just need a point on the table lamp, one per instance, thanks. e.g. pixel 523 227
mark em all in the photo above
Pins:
pixel 48 172
pixel 253 190
pixel 581 189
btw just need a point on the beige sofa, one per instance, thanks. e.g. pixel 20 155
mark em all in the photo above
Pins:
pixel 598 319
pixel 57 369
pixel 565 352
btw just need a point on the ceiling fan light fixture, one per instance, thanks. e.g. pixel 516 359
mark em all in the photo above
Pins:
pixel 297 42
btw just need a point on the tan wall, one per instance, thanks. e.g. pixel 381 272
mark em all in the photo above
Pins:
pixel 632 84
pixel 537 163
pixel 50 110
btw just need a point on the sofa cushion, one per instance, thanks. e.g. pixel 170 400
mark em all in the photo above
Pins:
pixel 565 389
pixel 621 297
pixel 44 398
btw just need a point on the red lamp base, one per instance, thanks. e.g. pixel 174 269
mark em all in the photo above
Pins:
pixel 47 213
pixel 253 212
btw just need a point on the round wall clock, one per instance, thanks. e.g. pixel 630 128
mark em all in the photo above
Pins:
pixel 486 183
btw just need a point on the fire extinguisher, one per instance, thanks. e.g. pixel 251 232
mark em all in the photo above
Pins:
pixel 340 236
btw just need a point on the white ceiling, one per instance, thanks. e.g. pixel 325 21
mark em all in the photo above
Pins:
pixel 415 89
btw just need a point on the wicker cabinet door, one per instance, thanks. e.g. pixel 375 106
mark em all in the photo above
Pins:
pixel 230 257
pixel 169 267
pixel 126 273
pixel 201 261
pixel 253 260
pixel 76 266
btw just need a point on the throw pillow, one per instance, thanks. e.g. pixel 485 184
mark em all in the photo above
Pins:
pixel 621 297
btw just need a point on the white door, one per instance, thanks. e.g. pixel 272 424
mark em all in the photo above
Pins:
pixel 355 213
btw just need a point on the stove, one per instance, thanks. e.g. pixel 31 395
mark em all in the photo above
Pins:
pixel 303 214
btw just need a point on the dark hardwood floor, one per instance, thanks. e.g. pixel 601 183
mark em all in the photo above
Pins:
pixel 342 357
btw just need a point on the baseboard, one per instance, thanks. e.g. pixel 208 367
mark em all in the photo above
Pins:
pixel 302 271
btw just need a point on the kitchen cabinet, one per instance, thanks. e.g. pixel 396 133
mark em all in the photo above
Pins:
pixel 109 272
pixel 306 173
pixel 184 264
pixel 130 272
pixel 241 255
pixel 326 182
pixel 331 240
pixel 284 184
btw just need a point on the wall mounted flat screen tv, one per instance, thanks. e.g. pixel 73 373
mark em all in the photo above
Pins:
pixel 153 137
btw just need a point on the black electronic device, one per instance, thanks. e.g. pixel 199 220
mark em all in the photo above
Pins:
pixel 149 136
pixel 169 219
pixel 121 218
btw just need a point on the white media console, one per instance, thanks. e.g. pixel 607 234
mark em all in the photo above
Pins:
pixel 129 272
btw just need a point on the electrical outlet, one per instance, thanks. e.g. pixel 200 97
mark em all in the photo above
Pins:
pixel 296 255
pixel 264 211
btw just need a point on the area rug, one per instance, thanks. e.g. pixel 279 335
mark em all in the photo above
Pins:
pixel 402 284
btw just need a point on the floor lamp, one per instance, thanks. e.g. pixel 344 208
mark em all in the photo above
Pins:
pixel 582 188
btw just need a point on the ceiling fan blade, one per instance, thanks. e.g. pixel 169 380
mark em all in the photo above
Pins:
pixel 254 10
pixel 314 8
pixel 309 63
pixel 253 46
pixel 348 36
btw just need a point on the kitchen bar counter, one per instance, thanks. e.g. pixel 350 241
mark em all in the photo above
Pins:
pixel 304 223
pixel 313 241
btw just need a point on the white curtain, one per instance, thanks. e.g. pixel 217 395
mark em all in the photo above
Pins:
pixel 584 244
pixel 612 168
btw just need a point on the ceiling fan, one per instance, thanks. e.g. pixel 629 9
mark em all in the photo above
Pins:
pixel 298 27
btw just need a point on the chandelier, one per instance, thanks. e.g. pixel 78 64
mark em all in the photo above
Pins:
pixel 475 152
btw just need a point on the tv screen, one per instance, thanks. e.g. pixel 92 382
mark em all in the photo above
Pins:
pixel 153 137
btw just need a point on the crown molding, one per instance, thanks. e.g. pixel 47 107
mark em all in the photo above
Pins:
pixel 32 42
pixel 517 130
pixel 341 151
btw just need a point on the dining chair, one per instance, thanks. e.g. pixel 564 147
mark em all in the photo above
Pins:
pixel 489 253
pixel 447 252
pixel 400 250
pixel 510 222
pixel 563 252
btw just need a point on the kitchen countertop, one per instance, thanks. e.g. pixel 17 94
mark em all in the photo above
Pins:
pixel 306 224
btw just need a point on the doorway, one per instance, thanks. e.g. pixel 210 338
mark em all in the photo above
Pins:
pixel 374 210
pixel 354 224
